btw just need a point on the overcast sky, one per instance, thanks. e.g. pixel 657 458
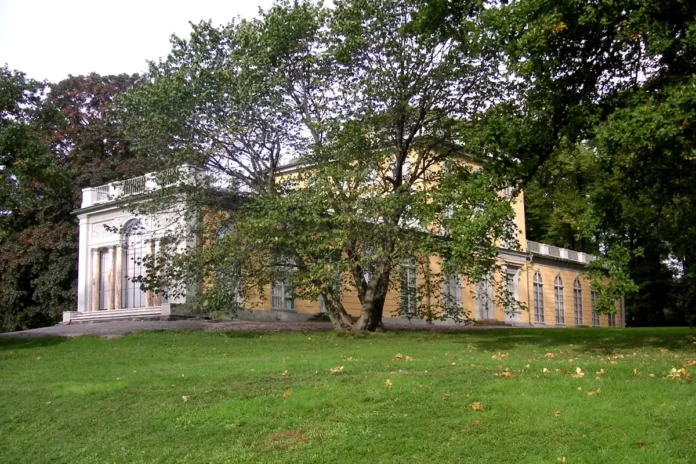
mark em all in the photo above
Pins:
pixel 49 39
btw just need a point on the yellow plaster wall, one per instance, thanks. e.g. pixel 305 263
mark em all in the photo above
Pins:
pixel 548 275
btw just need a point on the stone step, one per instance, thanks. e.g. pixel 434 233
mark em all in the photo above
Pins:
pixel 106 315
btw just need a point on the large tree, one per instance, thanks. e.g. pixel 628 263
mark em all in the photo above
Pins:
pixel 55 139
pixel 369 111
pixel 601 127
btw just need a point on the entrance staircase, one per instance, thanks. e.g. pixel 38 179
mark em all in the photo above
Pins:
pixel 72 317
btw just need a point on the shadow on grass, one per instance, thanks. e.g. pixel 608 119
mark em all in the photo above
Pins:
pixel 14 343
pixel 595 341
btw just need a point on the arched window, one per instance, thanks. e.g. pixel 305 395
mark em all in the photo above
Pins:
pixel 538 292
pixel 595 316
pixel 558 299
pixel 134 296
pixel 577 300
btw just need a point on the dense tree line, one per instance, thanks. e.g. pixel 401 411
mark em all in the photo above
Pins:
pixel 609 94
pixel 55 139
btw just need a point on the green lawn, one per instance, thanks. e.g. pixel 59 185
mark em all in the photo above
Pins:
pixel 216 397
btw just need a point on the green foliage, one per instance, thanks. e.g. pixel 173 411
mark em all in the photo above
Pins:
pixel 601 130
pixel 368 109
pixel 52 145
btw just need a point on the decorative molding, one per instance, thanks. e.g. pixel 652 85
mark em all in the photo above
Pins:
pixel 99 229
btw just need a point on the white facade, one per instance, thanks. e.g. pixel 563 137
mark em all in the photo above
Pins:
pixel 112 244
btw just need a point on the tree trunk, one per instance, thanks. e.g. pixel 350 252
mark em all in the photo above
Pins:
pixel 373 306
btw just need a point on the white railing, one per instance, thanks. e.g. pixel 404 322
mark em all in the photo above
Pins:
pixel 563 253
pixel 134 186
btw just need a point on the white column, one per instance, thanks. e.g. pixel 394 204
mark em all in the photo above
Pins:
pixel 83 305
pixel 157 298
pixel 118 279
pixel 96 277
pixel 112 283
pixel 149 294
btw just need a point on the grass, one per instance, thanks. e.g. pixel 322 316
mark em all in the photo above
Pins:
pixel 217 397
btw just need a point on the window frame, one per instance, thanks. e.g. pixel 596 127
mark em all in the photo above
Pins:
pixel 595 316
pixel 559 299
pixel 577 301
pixel 538 294
pixel 409 288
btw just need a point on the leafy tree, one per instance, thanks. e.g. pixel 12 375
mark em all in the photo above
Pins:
pixel 54 141
pixel 37 246
pixel 615 77
pixel 368 109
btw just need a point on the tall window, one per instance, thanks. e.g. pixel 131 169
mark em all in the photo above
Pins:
pixel 485 308
pixel 104 287
pixel 452 297
pixel 135 253
pixel 577 300
pixel 337 289
pixel 538 292
pixel 558 300
pixel 282 298
pixel 228 275
pixel 409 287
pixel 595 315
pixel 612 320
pixel 512 289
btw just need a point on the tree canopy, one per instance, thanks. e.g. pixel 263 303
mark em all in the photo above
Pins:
pixel 368 109
pixel 55 139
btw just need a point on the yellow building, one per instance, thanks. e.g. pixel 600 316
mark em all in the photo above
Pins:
pixel 546 281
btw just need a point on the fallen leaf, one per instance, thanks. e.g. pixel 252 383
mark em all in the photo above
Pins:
pixel 476 406
pixel 388 383
pixel 549 355
pixel 337 369
pixel 185 398
pixel 454 364
pixel 545 370
pixel 408 358
pixel 286 373
pixel 397 357
pixel 579 373
pixel 287 394
pixel 446 397
pixel 557 413
pixel 600 372
pixel 561 459
pixel 635 372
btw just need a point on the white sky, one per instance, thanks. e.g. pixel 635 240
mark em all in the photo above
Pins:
pixel 50 39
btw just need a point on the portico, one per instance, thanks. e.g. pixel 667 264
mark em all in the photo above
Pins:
pixel 114 244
